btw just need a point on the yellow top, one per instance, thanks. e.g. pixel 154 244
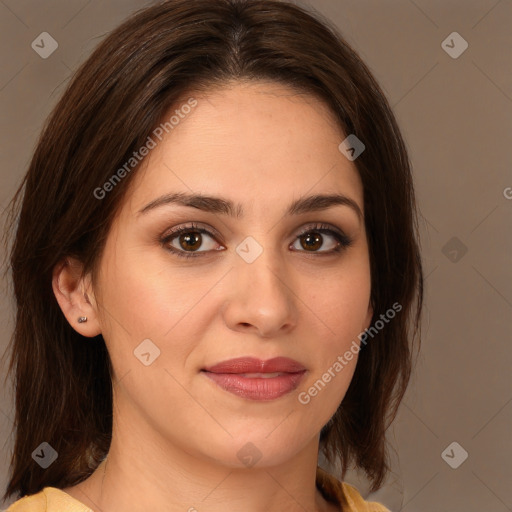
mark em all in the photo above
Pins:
pixel 346 496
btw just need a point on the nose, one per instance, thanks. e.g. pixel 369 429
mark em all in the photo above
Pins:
pixel 262 297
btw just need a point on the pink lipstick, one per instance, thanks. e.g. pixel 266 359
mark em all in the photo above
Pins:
pixel 255 379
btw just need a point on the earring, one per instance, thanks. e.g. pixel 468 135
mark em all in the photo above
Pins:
pixel 82 319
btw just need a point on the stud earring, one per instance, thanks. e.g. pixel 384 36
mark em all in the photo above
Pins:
pixel 82 319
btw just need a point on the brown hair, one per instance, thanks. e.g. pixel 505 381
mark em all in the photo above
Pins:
pixel 114 102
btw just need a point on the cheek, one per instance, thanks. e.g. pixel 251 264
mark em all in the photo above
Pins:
pixel 342 301
pixel 145 296
pixel 342 309
pixel 146 300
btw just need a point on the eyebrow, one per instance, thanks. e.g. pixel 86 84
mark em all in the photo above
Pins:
pixel 224 206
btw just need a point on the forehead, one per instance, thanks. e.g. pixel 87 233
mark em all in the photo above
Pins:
pixel 248 140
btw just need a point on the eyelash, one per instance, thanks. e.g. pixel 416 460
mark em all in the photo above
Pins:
pixel 343 240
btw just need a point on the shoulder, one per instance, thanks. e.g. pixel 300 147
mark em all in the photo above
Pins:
pixel 50 499
pixel 344 495
pixel 33 503
pixel 357 503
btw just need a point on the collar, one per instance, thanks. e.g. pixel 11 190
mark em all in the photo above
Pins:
pixel 331 488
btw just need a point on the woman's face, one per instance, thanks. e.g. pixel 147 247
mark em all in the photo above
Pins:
pixel 253 286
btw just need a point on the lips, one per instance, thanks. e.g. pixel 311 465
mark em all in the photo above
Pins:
pixel 247 365
pixel 255 379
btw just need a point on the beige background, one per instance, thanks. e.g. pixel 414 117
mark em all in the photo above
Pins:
pixel 456 117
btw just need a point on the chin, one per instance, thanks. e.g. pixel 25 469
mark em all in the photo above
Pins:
pixel 257 450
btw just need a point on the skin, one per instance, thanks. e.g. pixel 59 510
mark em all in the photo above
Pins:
pixel 176 434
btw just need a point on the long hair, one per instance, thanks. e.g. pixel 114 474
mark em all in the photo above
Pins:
pixel 115 100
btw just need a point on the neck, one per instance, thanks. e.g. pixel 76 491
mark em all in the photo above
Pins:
pixel 155 475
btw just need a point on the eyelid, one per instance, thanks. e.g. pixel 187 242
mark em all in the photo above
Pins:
pixel 205 228
pixel 321 226
pixel 343 240
pixel 192 226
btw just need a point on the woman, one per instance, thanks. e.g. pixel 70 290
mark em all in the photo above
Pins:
pixel 215 268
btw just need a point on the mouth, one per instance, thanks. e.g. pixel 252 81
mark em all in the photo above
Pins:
pixel 247 365
pixel 254 379
pixel 260 375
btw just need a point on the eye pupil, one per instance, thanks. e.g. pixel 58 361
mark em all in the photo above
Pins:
pixel 191 236
pixel 190 240
pixel 313 241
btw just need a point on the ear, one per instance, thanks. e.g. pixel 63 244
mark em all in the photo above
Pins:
pixel 76 297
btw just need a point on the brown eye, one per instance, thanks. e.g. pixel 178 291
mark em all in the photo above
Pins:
pixel 311 241
pixel 314 239
pixel 186 241
pixel 190 241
